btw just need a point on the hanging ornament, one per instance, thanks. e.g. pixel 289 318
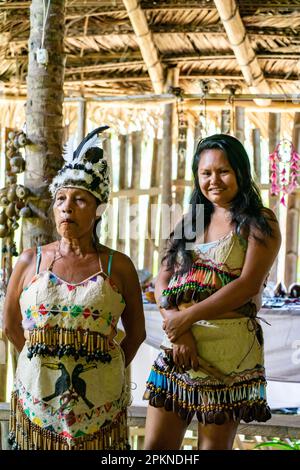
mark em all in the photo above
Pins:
pixel 284 169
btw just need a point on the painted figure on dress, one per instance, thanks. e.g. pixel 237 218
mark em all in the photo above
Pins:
pixel 212 363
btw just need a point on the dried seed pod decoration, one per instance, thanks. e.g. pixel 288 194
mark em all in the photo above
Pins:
pixel 16 159
pixel 4 231
pixel 11 193
pixel 15 225
pixel 3 217
pixel 22 139
pixel 11 135
pixel 10 210
pixel 16 141
pixel 22 192
pixel 11 179
pixel 25 212
pixel 4 201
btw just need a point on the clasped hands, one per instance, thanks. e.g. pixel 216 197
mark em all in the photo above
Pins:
pixel 175 323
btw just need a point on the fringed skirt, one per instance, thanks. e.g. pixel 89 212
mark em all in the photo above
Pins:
pixel 25 435
pixel 233 387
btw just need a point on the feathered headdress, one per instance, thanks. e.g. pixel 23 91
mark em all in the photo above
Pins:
pixel 85 168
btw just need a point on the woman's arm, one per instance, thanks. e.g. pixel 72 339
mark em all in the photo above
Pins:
pixel 133 315
pixel 12 317
pixel 161 284
pixel 184 348
pixel 258 261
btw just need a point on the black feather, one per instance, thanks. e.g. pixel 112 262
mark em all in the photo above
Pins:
pixel 88 137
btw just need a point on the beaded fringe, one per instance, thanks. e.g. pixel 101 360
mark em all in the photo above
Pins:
pixel 199 283
pixel 68 342
pixel 212 404
pixel 24 435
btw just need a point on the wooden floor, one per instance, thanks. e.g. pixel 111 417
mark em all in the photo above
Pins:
pixel 248 435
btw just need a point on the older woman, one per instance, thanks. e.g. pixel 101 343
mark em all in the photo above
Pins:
pixel 62 307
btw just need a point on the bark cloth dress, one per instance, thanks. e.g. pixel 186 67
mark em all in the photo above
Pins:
pixel 233 346
pixel 69 391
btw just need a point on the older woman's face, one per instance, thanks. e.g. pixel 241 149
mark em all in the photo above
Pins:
pixel 74 212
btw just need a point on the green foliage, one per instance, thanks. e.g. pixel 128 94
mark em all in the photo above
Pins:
pixel 276 443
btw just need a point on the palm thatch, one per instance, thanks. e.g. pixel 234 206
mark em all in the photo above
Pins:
pixel 104 54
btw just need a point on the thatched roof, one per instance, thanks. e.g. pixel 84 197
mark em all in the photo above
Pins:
pixel 106 55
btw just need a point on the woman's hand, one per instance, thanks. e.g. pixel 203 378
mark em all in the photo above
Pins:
pixel 185 352
pixel 175 324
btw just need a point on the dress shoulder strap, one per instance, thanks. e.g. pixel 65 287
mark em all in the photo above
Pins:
pixel 111 253
pixel 38 258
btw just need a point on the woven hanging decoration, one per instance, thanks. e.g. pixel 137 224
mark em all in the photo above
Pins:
pixel 284 169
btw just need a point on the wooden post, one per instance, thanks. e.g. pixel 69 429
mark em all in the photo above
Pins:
pixel 239 124
pixel 293 219
pixel 168 132
pixel 123 184
pixel 274 138
pixel 256 154
pixel 44 118
pixel 81 128
pixel 153 201
pixel 136 140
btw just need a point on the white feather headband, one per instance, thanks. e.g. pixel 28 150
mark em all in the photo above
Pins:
pixel 85 168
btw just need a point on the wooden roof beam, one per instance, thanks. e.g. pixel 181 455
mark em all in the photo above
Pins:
pixel 244 53
pixel 145 41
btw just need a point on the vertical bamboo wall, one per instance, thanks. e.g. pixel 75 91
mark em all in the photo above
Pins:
pixel 128 170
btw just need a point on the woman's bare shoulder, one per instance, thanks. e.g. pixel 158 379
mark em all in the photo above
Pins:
pixel 120 260
pixel 27 256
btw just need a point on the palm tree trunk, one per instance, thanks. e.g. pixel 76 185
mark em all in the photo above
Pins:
pixel 44 117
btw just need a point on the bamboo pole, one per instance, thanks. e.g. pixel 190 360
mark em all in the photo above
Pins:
pixel 242 48
pixel 152 216
pixel 239 123
pixel 168 132
pixel 146 44
pixel 123 183
pixel 274 138
pixel 81 128
pixel 107 219
pixel 226 121
pixel 136 140
pixel 256 154
pixel 293 219
pixel 181 159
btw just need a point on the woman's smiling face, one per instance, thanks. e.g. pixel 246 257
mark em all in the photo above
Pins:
pixel 217 179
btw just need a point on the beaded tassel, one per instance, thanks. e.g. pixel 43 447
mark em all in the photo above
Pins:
pixel 67 342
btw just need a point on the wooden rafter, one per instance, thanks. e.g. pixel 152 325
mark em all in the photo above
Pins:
pixel 145 41
pixel 134 58
pixel 239 41
pixel 21 39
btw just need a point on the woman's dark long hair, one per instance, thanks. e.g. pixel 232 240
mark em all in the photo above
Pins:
pixel 246 207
